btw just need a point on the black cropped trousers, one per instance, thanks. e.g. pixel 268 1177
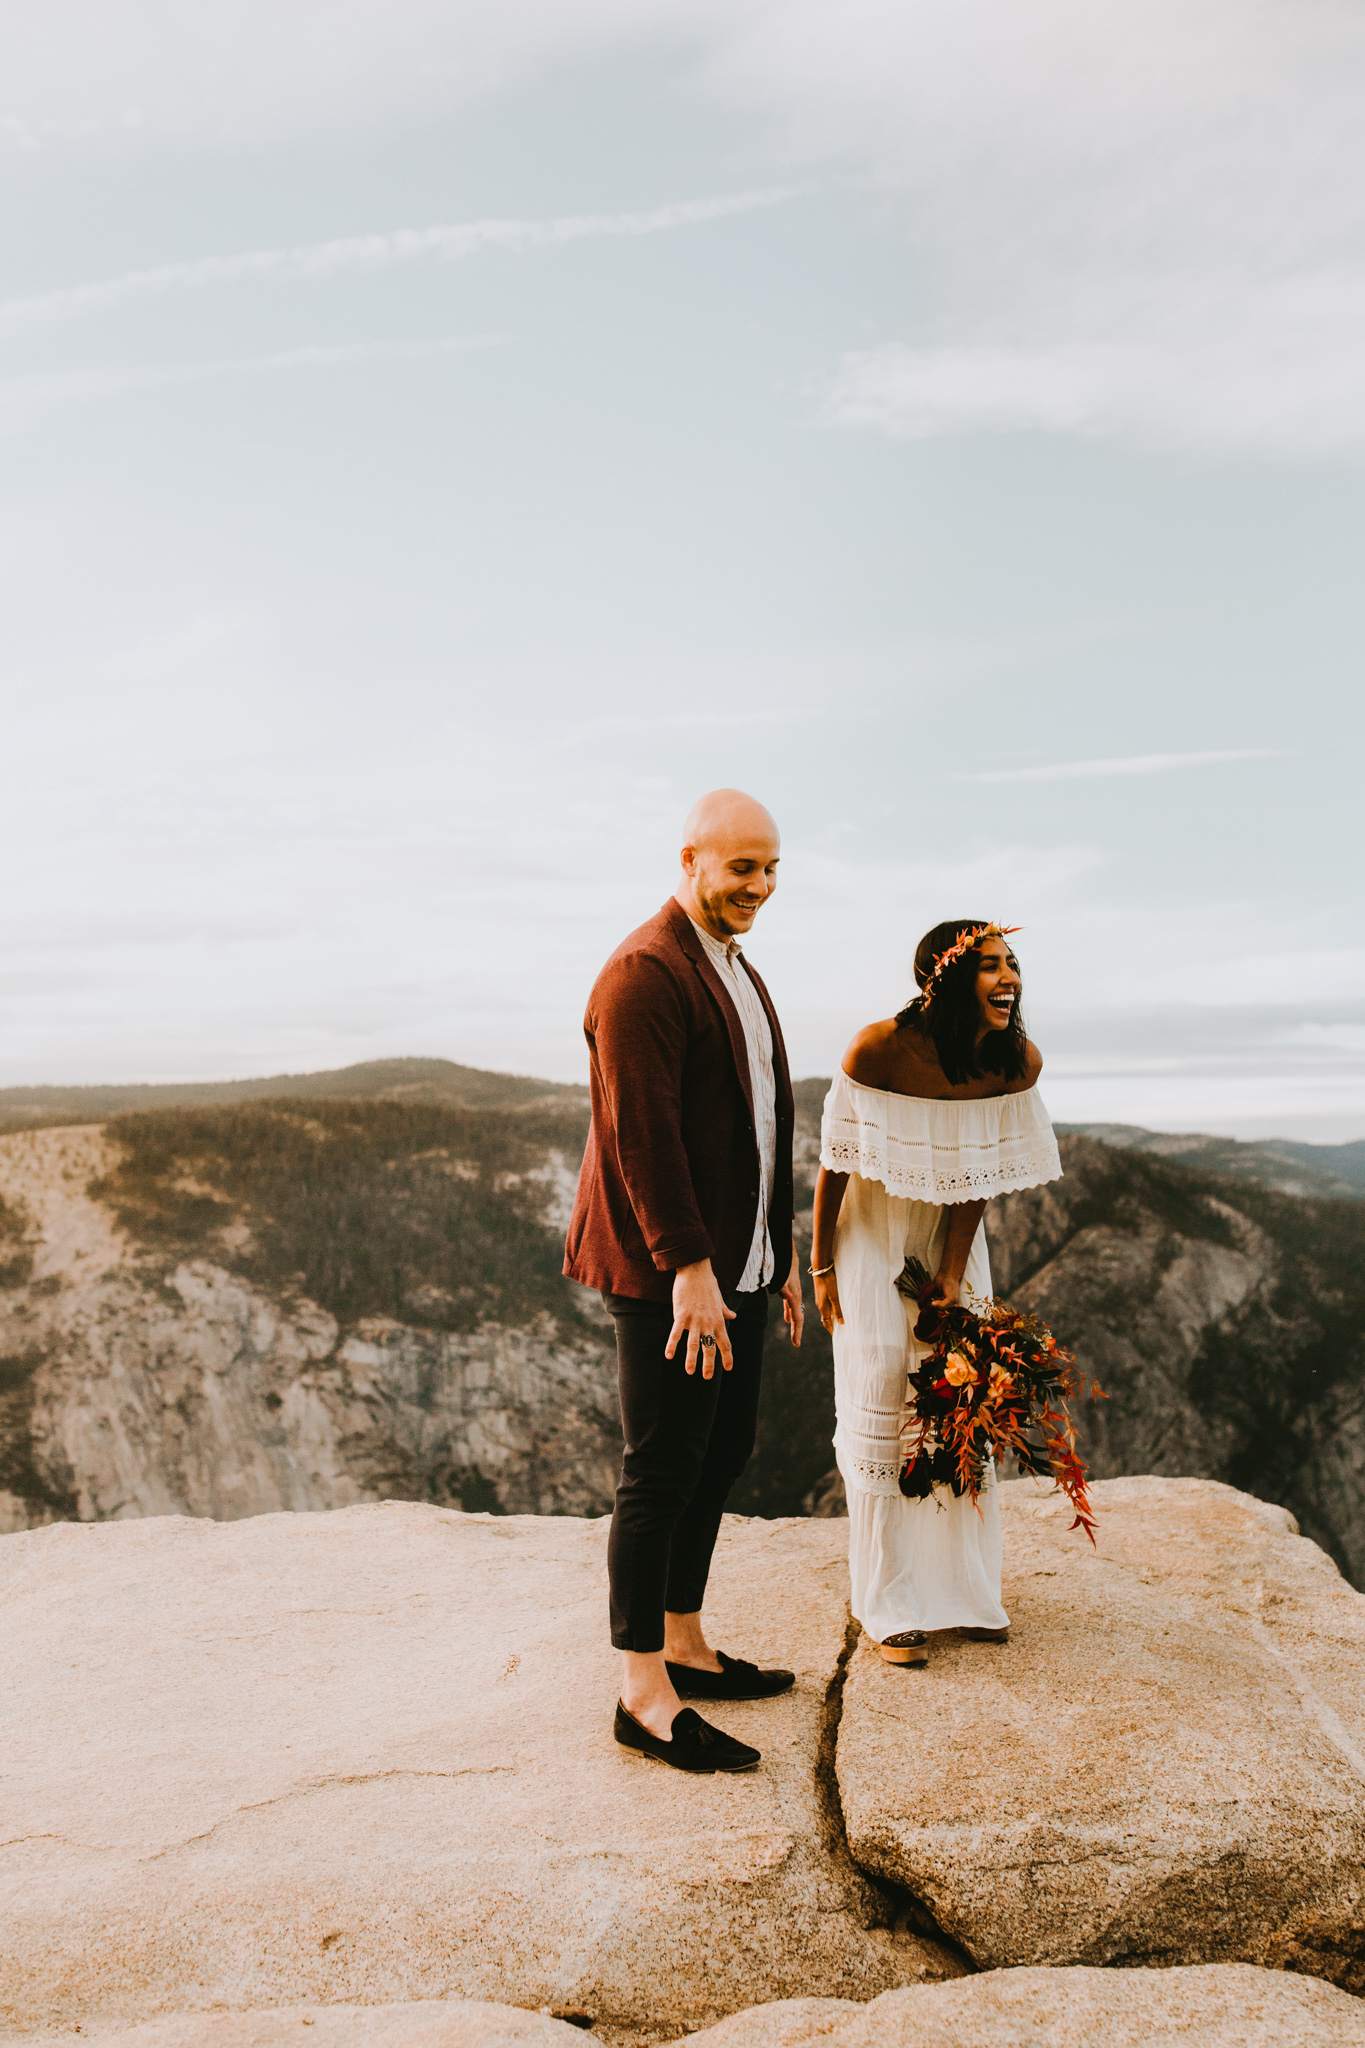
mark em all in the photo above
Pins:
pixel 687 1441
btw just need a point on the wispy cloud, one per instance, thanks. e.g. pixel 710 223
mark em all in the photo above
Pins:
pixel 1175 255
pixel 57 385
pixel 1274 370
pixel 1127 764
pixel 366 253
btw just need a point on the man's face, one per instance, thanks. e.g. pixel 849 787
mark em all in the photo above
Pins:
pixel 732 881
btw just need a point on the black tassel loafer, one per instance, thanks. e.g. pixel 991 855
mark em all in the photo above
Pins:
pixel 735 1680
pixel 696 1745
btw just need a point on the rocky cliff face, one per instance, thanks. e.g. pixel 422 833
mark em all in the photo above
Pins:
pixel 309 1301
pixel 264 1311
pixel 1225 1322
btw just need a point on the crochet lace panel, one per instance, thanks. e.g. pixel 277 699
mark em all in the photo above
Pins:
pixel 882 1476
pixel 872 1475
pixel 868 1444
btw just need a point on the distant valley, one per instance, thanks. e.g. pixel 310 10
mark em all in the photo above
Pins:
pixel 224 1300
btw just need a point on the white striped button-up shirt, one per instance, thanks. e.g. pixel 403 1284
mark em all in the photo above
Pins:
pixel 727 959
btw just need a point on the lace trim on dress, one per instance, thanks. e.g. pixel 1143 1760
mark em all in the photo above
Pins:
pixel 926 1151
pixel 883 1475
pixel 875 1474
pixel 868 1475
pixel 928 1183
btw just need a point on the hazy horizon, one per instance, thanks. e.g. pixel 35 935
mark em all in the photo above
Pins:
pixel 440 443
pixel 299 1073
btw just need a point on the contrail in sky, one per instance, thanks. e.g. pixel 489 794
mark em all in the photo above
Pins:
pixel 1125 764
pixel 442 244
pixel 113 382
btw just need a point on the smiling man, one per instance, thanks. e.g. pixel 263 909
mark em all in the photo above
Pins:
pixel 683 1220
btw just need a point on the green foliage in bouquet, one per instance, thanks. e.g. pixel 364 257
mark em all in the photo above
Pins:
pixel 994 1381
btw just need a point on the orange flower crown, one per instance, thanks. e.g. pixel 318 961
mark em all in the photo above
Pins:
pixel 966 944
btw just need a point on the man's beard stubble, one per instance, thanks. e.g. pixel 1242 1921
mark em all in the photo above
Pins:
pixel 715 908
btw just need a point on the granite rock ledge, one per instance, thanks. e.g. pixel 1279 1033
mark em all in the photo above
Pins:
pixel 421 2023
pixel 1216 2005
pixel 1165 1766
pixel 365 1758
pixel 352 1773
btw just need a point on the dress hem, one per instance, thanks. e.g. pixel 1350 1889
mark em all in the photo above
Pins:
pixel 932 1628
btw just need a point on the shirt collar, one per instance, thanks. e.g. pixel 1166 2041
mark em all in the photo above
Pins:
pixel 727 950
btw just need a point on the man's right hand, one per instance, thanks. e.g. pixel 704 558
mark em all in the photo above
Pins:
pixel 700 1311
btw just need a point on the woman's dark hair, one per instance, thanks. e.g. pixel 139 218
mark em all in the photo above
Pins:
pixel 953 1020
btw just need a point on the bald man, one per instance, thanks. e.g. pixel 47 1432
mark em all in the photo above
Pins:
pixel 683 1221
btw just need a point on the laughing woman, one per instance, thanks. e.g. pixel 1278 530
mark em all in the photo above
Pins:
pixel 933 1112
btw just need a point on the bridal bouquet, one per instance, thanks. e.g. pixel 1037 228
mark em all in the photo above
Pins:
pixel 994 1381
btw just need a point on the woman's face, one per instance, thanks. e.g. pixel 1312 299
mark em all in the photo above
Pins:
pixel 997 984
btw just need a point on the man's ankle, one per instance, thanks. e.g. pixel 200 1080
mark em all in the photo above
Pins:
pixel 693 1650
pixel 656 1711
pixel 684 1643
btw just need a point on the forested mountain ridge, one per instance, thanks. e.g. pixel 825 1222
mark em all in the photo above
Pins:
pixel 302 1301
pixel 405 1080
pixel 1280 1163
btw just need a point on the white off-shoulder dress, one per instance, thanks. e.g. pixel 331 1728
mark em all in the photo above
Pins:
pixel 934 1563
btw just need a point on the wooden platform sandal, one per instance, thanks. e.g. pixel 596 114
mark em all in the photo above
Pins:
pixel 910 1647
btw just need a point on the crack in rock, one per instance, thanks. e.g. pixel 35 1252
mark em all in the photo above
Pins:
pixel 889 1905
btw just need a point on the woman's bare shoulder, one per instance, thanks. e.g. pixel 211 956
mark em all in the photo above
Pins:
pixel 1033 1066
pixel 884 1056
pixel 868 1059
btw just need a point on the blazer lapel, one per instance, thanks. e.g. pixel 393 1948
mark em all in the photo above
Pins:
pixel 697 953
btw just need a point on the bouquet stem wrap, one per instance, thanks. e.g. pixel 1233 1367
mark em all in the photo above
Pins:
pixel 994 1381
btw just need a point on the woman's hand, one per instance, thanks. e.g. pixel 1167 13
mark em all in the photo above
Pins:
pixel 964 1221
pixel 829 1200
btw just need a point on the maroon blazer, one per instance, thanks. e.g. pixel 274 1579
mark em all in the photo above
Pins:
pixel 671 1172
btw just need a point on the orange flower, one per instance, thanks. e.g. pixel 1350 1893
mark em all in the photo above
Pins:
pixel 959 1371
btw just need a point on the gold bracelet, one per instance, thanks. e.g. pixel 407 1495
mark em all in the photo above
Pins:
pixel 819 1272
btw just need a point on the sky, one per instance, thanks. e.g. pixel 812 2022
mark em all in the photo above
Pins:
pixel 438 443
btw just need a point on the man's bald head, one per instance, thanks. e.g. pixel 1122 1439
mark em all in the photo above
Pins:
pixel 723 815
pixel 729 861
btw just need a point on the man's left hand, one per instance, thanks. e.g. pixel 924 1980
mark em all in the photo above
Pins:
pixel 792 1306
